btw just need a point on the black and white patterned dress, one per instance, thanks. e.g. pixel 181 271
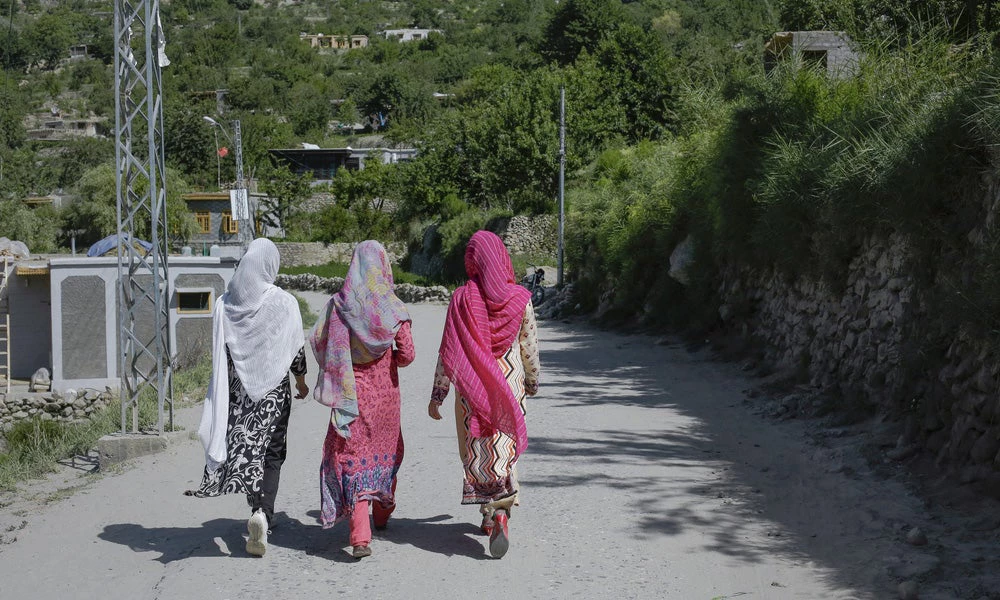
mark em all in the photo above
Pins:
pixel 248 433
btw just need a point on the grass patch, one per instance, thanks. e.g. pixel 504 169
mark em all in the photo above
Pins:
pixel 35 446
pixel 308 316
pixel 338 269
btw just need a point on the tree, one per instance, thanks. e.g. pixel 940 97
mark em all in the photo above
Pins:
pixel 364 193
pixel 38 227
pixel 15 53
pixel 498 150
pixel 95 213
pixel 395 95
pixel 50 38
pixel 348 114
pixel 638 69
pixel 309 110
pixel 188 141
pixel 12 112
pixel 578 25
pixel 425 14
pixel 285 193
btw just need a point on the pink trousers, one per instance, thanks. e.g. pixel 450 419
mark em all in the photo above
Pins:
pixel 361 531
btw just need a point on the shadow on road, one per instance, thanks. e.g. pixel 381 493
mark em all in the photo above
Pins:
pixel 179 543
pixel 429 534
pixel 704 474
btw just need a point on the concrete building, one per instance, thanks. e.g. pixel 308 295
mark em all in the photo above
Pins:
pixel 64 316
pixel 335 42
pixel 408 35
pixel 828 50
pixel 59 129
pixel 323 163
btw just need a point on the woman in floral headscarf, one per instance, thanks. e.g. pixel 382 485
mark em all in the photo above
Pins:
pixel 490 352
pixel 353 345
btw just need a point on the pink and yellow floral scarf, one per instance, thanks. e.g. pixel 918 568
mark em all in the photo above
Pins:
pixel 359 325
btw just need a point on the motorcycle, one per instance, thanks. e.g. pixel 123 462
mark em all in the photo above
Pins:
pixel 534 281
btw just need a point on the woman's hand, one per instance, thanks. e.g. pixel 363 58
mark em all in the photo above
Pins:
pixel 433 409
pixel 301 388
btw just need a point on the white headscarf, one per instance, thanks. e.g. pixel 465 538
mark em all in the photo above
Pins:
pixel 263 326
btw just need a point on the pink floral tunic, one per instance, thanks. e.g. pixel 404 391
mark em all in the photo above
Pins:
pixel 364 466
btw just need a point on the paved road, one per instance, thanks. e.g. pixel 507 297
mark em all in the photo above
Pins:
pixel 646 478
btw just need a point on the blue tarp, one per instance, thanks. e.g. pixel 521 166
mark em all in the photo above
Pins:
pixel 110 244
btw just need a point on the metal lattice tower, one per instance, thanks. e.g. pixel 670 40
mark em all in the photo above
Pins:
pixel 143 285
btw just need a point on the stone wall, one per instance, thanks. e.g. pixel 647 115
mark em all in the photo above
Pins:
pixel 876 346
pixel 534 236
pixel 70 406
pixel 307 254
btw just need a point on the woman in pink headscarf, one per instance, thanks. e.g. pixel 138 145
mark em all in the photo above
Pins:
pixel 490 352
pixel 358 379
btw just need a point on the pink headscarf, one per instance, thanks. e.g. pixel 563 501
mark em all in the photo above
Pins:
pixel 360 323
pixel 483 321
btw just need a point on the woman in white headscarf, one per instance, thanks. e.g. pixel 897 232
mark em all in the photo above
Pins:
pixel 257 338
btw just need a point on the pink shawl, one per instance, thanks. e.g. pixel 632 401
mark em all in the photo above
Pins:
pixel 360 323
pixel 484 318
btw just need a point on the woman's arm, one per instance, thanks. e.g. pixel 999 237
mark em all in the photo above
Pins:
pixel 439 392
pixel 299 371
pixel 528 339
pixel 404 352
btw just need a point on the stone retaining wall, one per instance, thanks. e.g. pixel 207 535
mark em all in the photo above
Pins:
pixel 534 236
pixel 407 292
pixel 70 406
pixel 307 254
pixel 875 345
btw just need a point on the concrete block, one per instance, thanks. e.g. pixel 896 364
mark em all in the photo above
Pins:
pixel 117 448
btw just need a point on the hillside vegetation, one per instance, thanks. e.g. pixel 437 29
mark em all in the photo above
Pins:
pixel 673 127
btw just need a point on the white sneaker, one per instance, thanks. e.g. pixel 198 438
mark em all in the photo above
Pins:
pixel 257 526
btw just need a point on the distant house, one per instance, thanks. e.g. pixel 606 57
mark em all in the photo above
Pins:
pixel 828 50
pixel 214 215
pixel 323 163
pixel 78 52
pixel 60 129
pixel 408 35
pixel 335 42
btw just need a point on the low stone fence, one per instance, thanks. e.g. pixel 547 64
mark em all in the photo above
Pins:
pixel 68 406
pixel 308 254
pixel 407 292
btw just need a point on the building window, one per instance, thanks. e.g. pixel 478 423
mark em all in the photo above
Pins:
pixel 204 219
pixel 194 302
pixel 814 58
pixel 228 224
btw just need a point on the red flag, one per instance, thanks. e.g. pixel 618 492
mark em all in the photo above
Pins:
pixel 223 152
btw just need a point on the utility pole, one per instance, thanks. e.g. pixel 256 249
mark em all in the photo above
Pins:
pixel 141 205
pixel 239 198
pixel 562 180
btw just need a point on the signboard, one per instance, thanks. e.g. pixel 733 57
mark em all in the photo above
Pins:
pixel 238 205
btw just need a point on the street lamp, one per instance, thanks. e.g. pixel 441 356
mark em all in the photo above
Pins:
pixel 239 201
pixel 218 158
